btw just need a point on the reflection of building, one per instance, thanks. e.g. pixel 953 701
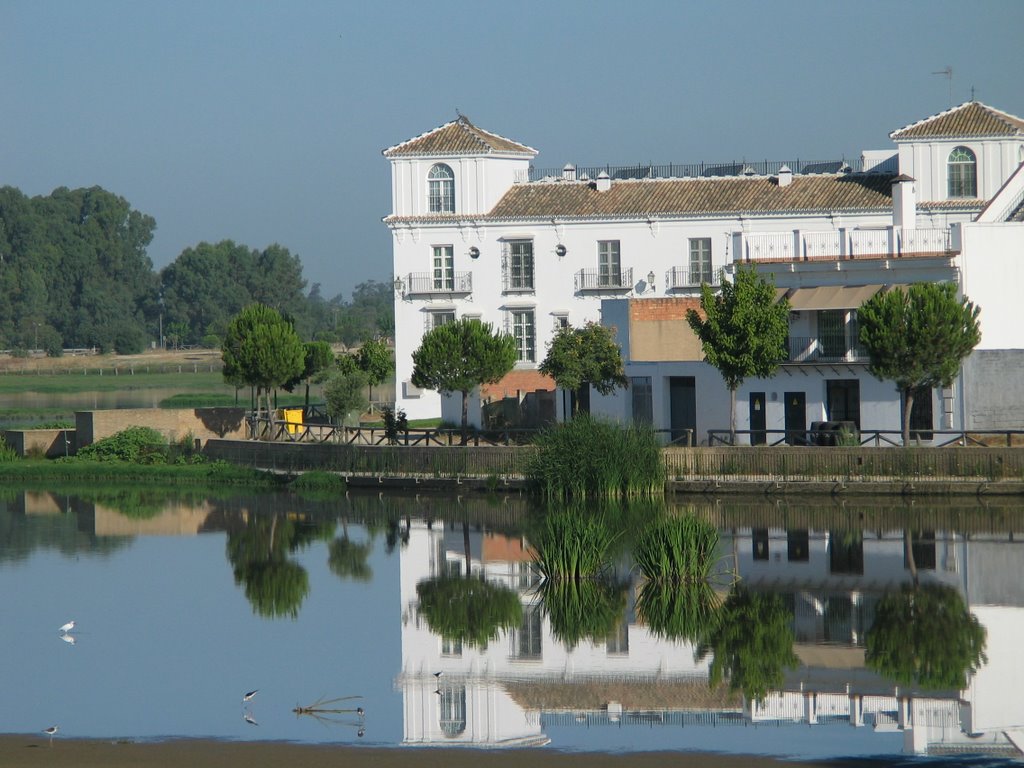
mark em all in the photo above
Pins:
pixel 833 580
pixel 501 695
pixel 526 680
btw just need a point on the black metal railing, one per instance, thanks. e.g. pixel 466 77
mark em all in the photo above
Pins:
pixel 599 280
pixel 680 277
pixel 424 283
pixel 825 348
pixel 695 170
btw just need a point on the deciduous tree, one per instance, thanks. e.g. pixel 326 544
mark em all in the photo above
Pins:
pixel 579 357
pixel 918 338
pixel 460 356
pixel 742 330
pixel 374 359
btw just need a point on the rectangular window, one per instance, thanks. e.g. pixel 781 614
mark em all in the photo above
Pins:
pixel 561 321
pixel 524 331
pixel 444 268
pixel 700 260
pixel 643 399
pixel 617 643
pixel 798 545
pixel 441 318
pixel 529 638
pixel 519 265
pixel 609 263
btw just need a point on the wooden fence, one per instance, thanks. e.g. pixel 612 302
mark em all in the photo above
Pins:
pixel 756 464
pixel 842 464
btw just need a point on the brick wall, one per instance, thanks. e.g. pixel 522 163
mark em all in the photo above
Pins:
pixel 658 330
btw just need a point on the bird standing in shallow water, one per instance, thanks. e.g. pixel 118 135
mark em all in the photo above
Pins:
pixel 249 695
pixel 50 731
pixel 67 627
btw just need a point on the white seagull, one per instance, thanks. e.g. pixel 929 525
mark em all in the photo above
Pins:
pixel 67 628
pixel 249 695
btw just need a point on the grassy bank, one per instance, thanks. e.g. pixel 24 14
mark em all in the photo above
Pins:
pixel 27 472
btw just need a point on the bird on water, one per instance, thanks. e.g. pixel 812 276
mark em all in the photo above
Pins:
pixel 67 627
pixel 249 695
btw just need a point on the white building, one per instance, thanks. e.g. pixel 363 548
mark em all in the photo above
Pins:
pixel 478 232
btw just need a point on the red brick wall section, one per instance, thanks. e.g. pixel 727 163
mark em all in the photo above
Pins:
pixel 673 308
pixel 515 382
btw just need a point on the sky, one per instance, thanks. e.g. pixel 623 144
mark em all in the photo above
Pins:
pixel 263 121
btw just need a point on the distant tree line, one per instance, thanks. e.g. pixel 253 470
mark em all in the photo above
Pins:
pixel 74 272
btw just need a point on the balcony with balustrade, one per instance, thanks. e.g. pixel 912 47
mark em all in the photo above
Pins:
pixel 436 284
pixel 842 244
pixel 825 348
pixel 604 281
pixel 683 279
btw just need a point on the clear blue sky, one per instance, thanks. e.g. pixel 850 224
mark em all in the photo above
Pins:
pixel 264 121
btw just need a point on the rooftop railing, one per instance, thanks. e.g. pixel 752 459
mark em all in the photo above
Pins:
pixel 691 170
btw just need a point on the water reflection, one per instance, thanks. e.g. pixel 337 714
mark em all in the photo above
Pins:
pixel 799 614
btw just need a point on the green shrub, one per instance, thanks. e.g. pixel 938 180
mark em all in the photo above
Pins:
pixel 7 453
pixel 589 457
pixel 139 445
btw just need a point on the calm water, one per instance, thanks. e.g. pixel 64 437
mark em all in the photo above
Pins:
pixel 181 605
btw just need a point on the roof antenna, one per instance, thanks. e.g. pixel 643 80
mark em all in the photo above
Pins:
pixel 948 72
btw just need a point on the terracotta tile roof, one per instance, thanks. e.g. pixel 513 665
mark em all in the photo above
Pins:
pixel 641 199
pixel 674 197
pixel 459 137
pixel 957 204
pixel 972 119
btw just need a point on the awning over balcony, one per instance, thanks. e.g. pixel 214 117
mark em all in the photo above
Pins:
pixel 831 296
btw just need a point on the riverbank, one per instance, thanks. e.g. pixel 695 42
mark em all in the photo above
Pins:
pixel 28 751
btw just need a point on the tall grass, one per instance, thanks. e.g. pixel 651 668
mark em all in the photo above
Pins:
pixel 682 549
pixel 572 545
pixel 589 457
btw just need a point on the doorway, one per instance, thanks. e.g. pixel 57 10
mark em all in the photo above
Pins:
pixel 843 400
pixel 757 419
pixel 682 396
pixel 796 418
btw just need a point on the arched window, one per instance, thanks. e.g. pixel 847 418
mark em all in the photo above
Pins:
pixel 441 189
pixel 453 710
pixel 963 173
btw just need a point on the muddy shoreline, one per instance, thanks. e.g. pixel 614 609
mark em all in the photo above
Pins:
pixel 27 751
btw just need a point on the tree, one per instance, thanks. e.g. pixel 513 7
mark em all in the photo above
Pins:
pixel 261 350
pixel 374 359
pixel 578 357
pixel 743 331
pixel 459 356
pixel 345 393
pixel 925 636
pixel 319 358
pixel 918 338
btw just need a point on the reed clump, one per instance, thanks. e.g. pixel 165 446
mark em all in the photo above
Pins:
pixel 593 458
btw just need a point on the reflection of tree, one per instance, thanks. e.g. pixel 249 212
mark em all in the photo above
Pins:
pixel 259 554
pixel 925 636
pixel 347 559
pixel 468 610
pixel 752 643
